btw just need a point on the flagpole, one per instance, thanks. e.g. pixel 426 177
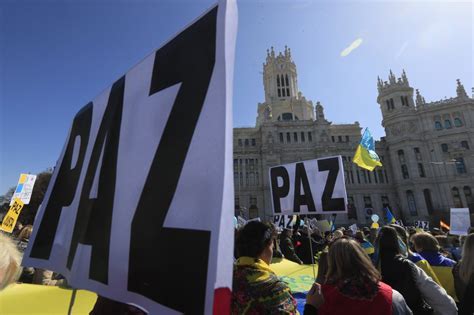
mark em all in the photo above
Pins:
pixel 310 247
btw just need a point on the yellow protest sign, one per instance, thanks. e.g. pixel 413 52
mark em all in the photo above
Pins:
pixel 9 221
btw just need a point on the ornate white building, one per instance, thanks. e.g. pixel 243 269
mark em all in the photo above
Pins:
pixel 426 154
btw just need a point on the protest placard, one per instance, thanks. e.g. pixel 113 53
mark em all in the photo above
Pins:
pixel 460 221
pixel 309 187
pixel 144 206
pixel 425 225
pixel 9 220
pixel 24 188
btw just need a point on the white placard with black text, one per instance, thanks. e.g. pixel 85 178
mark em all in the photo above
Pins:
pixel 309 187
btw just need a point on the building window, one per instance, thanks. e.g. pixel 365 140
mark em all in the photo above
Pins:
pixel 347 138
pixel 447 124
pixel 332 138
pixel 403 100
pixel 295 136
pixel 465 144
pixel 240 142
pixel 369 177
pixel 385 202
pixel 253 142
pixel 460 166
pixel 367 202
pixel 278 80
pixel 339 138
pixel 417 153
pixel 302 137
pixel 246 142
pixel 401 156
pixel 457 122
pixel 288 137
pixel 405 173
pixel 287 92
pixel 279 93
pixel 381 176
pixel 281 137
pixel 469 198
pixel 392 106
pixel 411 203
pixel 421 170
pixel 310 137
pixel 388 104
pixel 438 125
pixel 456 198
pixel 286 80
pixel 428 201
pixel 444 147
pixel 358 176
pixel 287 116
pixel 351 208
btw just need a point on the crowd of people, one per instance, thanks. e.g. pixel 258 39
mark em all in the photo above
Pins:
pixel 390 270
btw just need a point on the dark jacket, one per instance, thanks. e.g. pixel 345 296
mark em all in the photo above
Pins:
pixel 399 273
pixel 287 249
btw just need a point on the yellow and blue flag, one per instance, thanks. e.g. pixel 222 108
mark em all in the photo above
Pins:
pixel 365 155
pixel 389 215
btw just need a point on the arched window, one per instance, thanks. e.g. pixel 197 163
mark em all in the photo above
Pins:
pixel 456 198
pixel 447 124
pixel 286 80
pixel 438 125
pixel 458 122
pixel 278 80
pixel 444 147
pixel 411 203
pixel 428 201
pixel 401 156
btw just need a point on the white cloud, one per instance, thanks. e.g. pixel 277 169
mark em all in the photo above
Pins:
pixel 351 47
pixel 401 50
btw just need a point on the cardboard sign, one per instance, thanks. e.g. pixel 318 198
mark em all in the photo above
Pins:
pixel 460 221
pixel 284 221
pixel 9 220
pixel 24 188
pixel 425 225
pixel 146 173
pixel 309 187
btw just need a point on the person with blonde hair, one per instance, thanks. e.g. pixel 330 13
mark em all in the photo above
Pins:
pixel 463 274
pixel 353 286
pixel 10 260
pixel 428 247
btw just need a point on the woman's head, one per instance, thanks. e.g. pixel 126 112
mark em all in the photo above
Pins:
pixel 425 242
pixel 10 260
pixel 255 240
pixel 387 242
pixel 466 266
pixel 347 260
pixel 25 232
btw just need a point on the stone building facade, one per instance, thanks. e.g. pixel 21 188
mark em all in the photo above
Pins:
pixel 290 128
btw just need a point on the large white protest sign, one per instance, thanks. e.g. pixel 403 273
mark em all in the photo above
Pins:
pixel 141 200
pixel 309 187
pixel 460 221
pixel 24 188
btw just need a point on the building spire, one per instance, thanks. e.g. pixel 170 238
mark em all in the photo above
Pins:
pixel 420 100
pixel 404 77
pixel 391 78
pixel 460 91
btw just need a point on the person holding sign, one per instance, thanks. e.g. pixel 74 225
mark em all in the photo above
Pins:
pixel 256 288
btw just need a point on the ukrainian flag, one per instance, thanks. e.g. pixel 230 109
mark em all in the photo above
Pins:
pixel 365 155
pixel 390 217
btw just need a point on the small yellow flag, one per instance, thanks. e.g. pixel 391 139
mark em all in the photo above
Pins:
pixel 9 221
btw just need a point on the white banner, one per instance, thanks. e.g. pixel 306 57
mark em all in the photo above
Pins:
pixel 24 188
pixel 425 225
pixel 140 205
pixel 284 221
pixel 309 187
pixel 460 221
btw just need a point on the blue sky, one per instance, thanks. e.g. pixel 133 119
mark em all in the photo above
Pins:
pixel 55 56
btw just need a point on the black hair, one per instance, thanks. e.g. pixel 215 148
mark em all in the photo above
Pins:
pixel 253 238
